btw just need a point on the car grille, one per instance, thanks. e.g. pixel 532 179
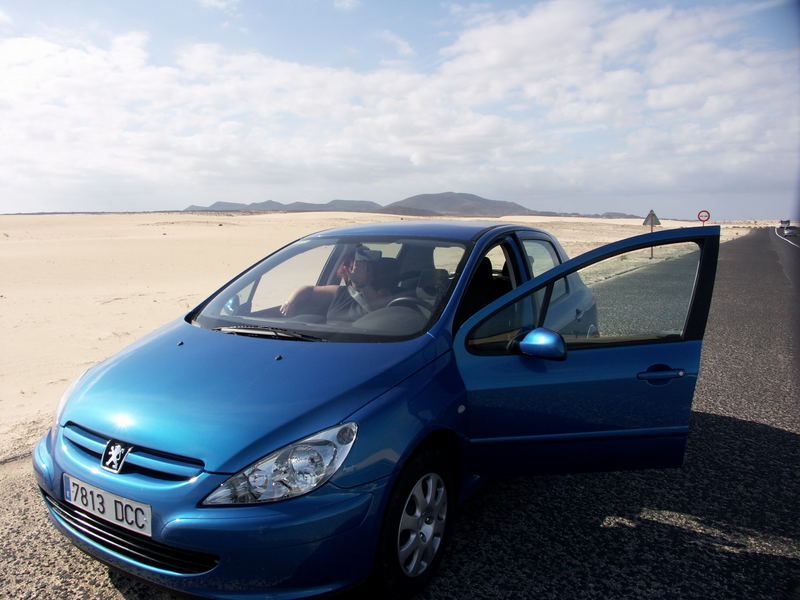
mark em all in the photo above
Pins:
pixel 151 463
pixel 129 544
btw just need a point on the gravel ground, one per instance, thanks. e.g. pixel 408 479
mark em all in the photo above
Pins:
pixel 727 525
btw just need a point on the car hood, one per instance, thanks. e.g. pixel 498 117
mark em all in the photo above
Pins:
pixel 228 400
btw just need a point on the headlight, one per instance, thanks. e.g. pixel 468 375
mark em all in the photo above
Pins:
pixel 292 471
pixel 65 397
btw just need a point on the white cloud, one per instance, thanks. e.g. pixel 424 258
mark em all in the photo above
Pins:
pixel 564 99
pixel 472 14
pixel 5 19
pixel 346 4
pixel 742 128
pixel 625 36
pixel 401 46
pixel 228 6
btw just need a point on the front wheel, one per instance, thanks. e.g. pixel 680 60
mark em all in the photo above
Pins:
pixel 417 524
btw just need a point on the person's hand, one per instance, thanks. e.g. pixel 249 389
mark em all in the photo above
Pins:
pixel 289 307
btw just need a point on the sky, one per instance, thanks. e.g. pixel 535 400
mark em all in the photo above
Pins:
pixel 564 105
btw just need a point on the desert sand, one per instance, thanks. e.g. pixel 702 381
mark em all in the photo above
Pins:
pixel 76 288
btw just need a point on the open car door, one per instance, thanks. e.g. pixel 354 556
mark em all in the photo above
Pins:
pixel 591 365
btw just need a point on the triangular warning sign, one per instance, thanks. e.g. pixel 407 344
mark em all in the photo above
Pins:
pixel 651 219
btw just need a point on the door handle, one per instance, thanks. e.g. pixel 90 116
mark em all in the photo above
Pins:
pixel 661 375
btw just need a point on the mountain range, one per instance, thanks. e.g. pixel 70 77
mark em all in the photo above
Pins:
pixel 446 204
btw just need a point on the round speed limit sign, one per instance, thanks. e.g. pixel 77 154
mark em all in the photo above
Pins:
pixel 703 216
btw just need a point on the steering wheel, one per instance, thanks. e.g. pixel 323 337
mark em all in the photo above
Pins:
pixel 411 302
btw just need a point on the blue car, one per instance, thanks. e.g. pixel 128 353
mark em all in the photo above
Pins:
pixel 316 422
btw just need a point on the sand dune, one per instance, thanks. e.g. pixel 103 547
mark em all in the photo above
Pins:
pixel 74 289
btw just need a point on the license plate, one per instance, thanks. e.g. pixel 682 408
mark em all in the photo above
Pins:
pixel 129 514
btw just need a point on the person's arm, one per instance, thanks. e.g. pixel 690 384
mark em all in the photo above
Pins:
pixel 313 299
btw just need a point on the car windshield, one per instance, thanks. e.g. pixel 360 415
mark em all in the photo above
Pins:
pixel 339 289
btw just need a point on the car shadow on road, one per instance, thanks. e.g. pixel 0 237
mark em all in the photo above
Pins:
pixel 724 526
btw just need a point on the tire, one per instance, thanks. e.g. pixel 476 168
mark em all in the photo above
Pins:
pixel 417 525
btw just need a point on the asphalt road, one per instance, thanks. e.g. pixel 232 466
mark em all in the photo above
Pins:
pixel 788 249
pixel 726 525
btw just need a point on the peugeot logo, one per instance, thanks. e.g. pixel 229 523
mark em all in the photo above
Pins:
pixel 114 456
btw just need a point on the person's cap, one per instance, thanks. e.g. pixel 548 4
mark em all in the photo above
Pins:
pixel 366 255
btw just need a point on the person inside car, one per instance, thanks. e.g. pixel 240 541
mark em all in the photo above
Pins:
pixel 369 283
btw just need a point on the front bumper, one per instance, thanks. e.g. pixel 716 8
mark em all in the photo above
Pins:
pixel 301 547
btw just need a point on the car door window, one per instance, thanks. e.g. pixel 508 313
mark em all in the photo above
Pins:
pixel 628 298
pixel 540 257
pixel 636 298
pixel 493 276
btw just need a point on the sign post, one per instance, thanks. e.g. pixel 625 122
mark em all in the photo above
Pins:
pixel 703 216
pixel 652 220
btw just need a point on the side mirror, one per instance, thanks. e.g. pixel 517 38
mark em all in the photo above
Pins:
pixel 543 343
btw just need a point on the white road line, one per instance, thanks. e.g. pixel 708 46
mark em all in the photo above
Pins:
pixel 780 237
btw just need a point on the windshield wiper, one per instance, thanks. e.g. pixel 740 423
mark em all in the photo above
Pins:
pixel 267 331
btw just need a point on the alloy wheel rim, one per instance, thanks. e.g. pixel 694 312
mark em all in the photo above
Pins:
pixel 422 524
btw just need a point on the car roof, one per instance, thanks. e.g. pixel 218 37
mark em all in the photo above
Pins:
pixel 452 230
